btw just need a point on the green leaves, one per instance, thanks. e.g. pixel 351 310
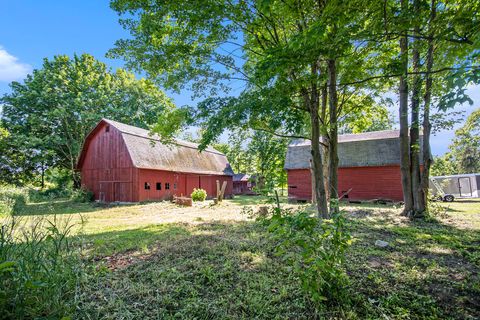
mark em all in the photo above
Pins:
pixel 315 249
pixel 49 115
pixel 464 152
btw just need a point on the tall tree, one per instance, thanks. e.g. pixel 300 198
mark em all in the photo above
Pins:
pixel 51 112
pixel 293 57
pixel 436 58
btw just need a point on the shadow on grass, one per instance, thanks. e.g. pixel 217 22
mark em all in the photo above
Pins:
pixel 465 200
pixel 227 270
pixel 62 206
pixel 428 269
pixel 140 239
pixel 245 200
pixel 208 271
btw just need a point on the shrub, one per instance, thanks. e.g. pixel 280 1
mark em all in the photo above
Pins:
pixel 36 195
pixel 39 269
pixel 82 195
pixel 199 195
pixel 315 249
pixel 12 200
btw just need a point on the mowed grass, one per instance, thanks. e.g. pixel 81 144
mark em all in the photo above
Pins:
pixel 158 260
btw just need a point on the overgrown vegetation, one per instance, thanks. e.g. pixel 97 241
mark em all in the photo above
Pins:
pixel 82 195
pixel 315 248
pixel 12 200
pixel 40 269
pixel 199 194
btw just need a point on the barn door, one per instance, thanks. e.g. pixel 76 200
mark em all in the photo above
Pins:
pixel 105 193
pixel 465 187
pixel 122 191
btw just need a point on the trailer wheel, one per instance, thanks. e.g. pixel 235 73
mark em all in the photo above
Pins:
pixel 448 198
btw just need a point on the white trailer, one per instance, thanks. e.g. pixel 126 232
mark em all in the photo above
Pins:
pixel 456 186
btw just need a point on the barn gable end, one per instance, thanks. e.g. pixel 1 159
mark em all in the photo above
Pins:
pixel 106 167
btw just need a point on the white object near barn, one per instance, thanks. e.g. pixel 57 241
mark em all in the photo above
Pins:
pixel 459 185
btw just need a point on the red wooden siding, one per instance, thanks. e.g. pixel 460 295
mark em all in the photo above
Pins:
pixel 381 182
pixel 181 184
pixel 107 169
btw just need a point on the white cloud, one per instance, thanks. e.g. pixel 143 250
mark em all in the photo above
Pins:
pixel 10 68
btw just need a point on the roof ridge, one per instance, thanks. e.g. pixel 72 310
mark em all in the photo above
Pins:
pixel 156 137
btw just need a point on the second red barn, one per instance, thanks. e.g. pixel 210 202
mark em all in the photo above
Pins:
pixel 369 166
pixel 123 163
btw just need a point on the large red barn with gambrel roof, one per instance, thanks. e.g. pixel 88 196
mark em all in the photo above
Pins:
pixel 369 167
pixel 123 163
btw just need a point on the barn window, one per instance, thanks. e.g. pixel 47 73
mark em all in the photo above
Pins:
pixel 147 186
pixel 107 128
pixel 292 187
pixel 175 186
pixel 167 186
pixel 159 186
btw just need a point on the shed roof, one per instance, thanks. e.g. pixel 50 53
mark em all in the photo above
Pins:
pixel 379 148
pixel 147 151
pixel 240 177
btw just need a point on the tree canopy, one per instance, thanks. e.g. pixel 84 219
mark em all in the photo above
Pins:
pixel 464 152
pixel 50 113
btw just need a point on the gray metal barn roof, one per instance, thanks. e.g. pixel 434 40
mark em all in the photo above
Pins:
pixel 379 148
pixel 148 152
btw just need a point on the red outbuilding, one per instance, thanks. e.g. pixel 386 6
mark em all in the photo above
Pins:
pixel 123 163
pixel 243 184
pixel 369 165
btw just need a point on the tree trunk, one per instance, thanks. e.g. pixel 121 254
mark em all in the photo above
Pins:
pixel 76 180
pixel 42 183
pixel 325 151
pixel 333 133
pixel 317 167
pixel 427 127
pixel 326 167
pixel 403 117
pixel 415 126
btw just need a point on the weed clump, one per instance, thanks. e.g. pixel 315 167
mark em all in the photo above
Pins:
pixel 315 249
pixel 40 268
pixel 199 195
pixel 12 200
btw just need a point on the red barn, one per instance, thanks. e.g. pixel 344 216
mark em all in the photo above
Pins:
pixel 243 184
pixel 369 164
pixel 123 163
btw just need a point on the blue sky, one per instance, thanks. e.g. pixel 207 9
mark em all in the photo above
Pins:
pixel 32 30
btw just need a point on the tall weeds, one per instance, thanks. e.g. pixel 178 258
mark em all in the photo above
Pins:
pixel 12 200
pixel 315 249
pixel 40 267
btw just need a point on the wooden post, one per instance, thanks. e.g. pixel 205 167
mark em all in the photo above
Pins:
pixel 277 199
pixel 222 192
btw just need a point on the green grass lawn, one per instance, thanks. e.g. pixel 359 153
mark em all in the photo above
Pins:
pixel 157 260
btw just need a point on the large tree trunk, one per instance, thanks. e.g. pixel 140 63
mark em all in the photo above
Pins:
pixel 317 167
pixel 403 117
pixel 325 150
pixel 333 132
pixel 427 127
pixel 415 126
